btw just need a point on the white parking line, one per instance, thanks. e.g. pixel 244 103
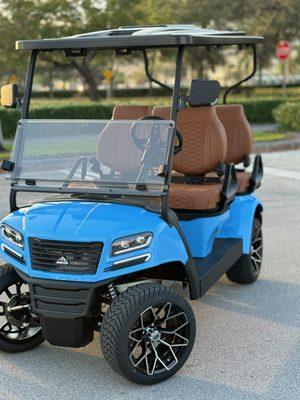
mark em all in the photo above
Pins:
pixel 282 173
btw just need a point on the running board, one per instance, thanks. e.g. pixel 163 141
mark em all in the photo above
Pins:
pixel 224 255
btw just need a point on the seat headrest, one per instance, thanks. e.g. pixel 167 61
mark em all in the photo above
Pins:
pixel 203 93
pixel 129 112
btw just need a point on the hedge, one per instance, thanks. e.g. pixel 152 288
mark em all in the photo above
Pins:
pixel 287 115
pixel 9 118
pixel 257 111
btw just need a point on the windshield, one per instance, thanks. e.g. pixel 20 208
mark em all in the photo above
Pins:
pixel 72 155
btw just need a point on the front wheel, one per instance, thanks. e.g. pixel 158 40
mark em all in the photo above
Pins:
pixel 19 328
pixel 148 333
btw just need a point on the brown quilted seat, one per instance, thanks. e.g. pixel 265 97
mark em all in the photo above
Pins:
pixel 239 139
pixel 125 158
pixel 194 197
pixel 238 132
pixel 131 112
pixel 204 146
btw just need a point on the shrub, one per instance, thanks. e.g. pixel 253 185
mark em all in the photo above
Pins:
pixel 287 115
pixel 260 110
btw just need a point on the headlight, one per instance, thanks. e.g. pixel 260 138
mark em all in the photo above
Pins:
pixel 131 243
pixel 13 236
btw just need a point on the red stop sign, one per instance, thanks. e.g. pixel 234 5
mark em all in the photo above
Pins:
pixel 283 49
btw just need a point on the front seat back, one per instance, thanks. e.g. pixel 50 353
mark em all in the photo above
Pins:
pixel 204 137
pixel 126 158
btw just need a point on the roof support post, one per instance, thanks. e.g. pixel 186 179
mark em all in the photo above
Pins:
pixel 175 108
pixel 245 79
pixel 149 75
pixel 176 90
pixel 28 87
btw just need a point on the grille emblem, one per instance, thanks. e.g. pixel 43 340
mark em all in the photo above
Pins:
pixel 62 261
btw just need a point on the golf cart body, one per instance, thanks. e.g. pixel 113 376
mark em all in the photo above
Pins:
pixel 152 194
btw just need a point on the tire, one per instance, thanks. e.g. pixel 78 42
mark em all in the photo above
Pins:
pixel 15 337
pixel 247 269
pixel 128 323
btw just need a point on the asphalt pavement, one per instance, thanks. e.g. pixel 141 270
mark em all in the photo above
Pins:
pixel 248 338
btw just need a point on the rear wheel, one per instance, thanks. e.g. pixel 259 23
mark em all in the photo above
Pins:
pixel 148 333
pixel 19 328
pixel 247 268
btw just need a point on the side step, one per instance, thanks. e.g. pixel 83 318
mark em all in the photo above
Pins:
pixel 225 253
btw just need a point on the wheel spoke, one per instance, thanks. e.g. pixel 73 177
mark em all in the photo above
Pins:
pixel 170 347
pixel 150 309
pixel 18 287
pixel 171 317
pixel 166 309
pixel 256 266
pixel 257 255
pixel 3 307
pixel 135 331
pixel 140 359
pixel 158 358
pixel 8 293
pixel 186 341
pixel 5 326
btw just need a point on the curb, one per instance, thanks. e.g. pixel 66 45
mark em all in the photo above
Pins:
pixel 279 145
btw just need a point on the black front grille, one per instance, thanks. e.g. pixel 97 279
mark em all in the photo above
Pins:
pixel 67 257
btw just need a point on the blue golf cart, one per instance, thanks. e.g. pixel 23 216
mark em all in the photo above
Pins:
pixel 126 207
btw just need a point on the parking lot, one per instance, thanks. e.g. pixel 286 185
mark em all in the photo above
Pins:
pixel 247 344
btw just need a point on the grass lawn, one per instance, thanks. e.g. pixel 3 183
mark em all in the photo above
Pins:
pixel 260 136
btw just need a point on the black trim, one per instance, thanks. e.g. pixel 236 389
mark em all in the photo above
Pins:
pixel 8 165
pixel 67 310
pixel 256 176
pixel 189 215
pixel 81 257
pixel 190 269
pixel 175 108
pixel 225 253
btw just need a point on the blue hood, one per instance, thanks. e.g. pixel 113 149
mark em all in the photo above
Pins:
pixel 94 222
pixel 78 221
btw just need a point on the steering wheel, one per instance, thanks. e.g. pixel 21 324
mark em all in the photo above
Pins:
pixel 142 143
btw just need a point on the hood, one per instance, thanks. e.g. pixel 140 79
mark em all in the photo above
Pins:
pixel 81 221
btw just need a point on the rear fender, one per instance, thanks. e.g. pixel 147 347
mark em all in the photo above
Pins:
pixel 239 224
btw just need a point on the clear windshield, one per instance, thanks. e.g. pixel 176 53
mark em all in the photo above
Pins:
pixel 92 154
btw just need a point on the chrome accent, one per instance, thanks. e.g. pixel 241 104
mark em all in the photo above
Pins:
pixel 62 261
pixel 145 257
pixel 4 247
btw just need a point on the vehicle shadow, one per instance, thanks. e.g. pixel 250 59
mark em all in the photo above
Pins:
pixel 236 360
pixel 57 373
pixel 265 299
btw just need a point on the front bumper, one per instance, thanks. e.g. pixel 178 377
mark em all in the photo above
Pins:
pixel 67 310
